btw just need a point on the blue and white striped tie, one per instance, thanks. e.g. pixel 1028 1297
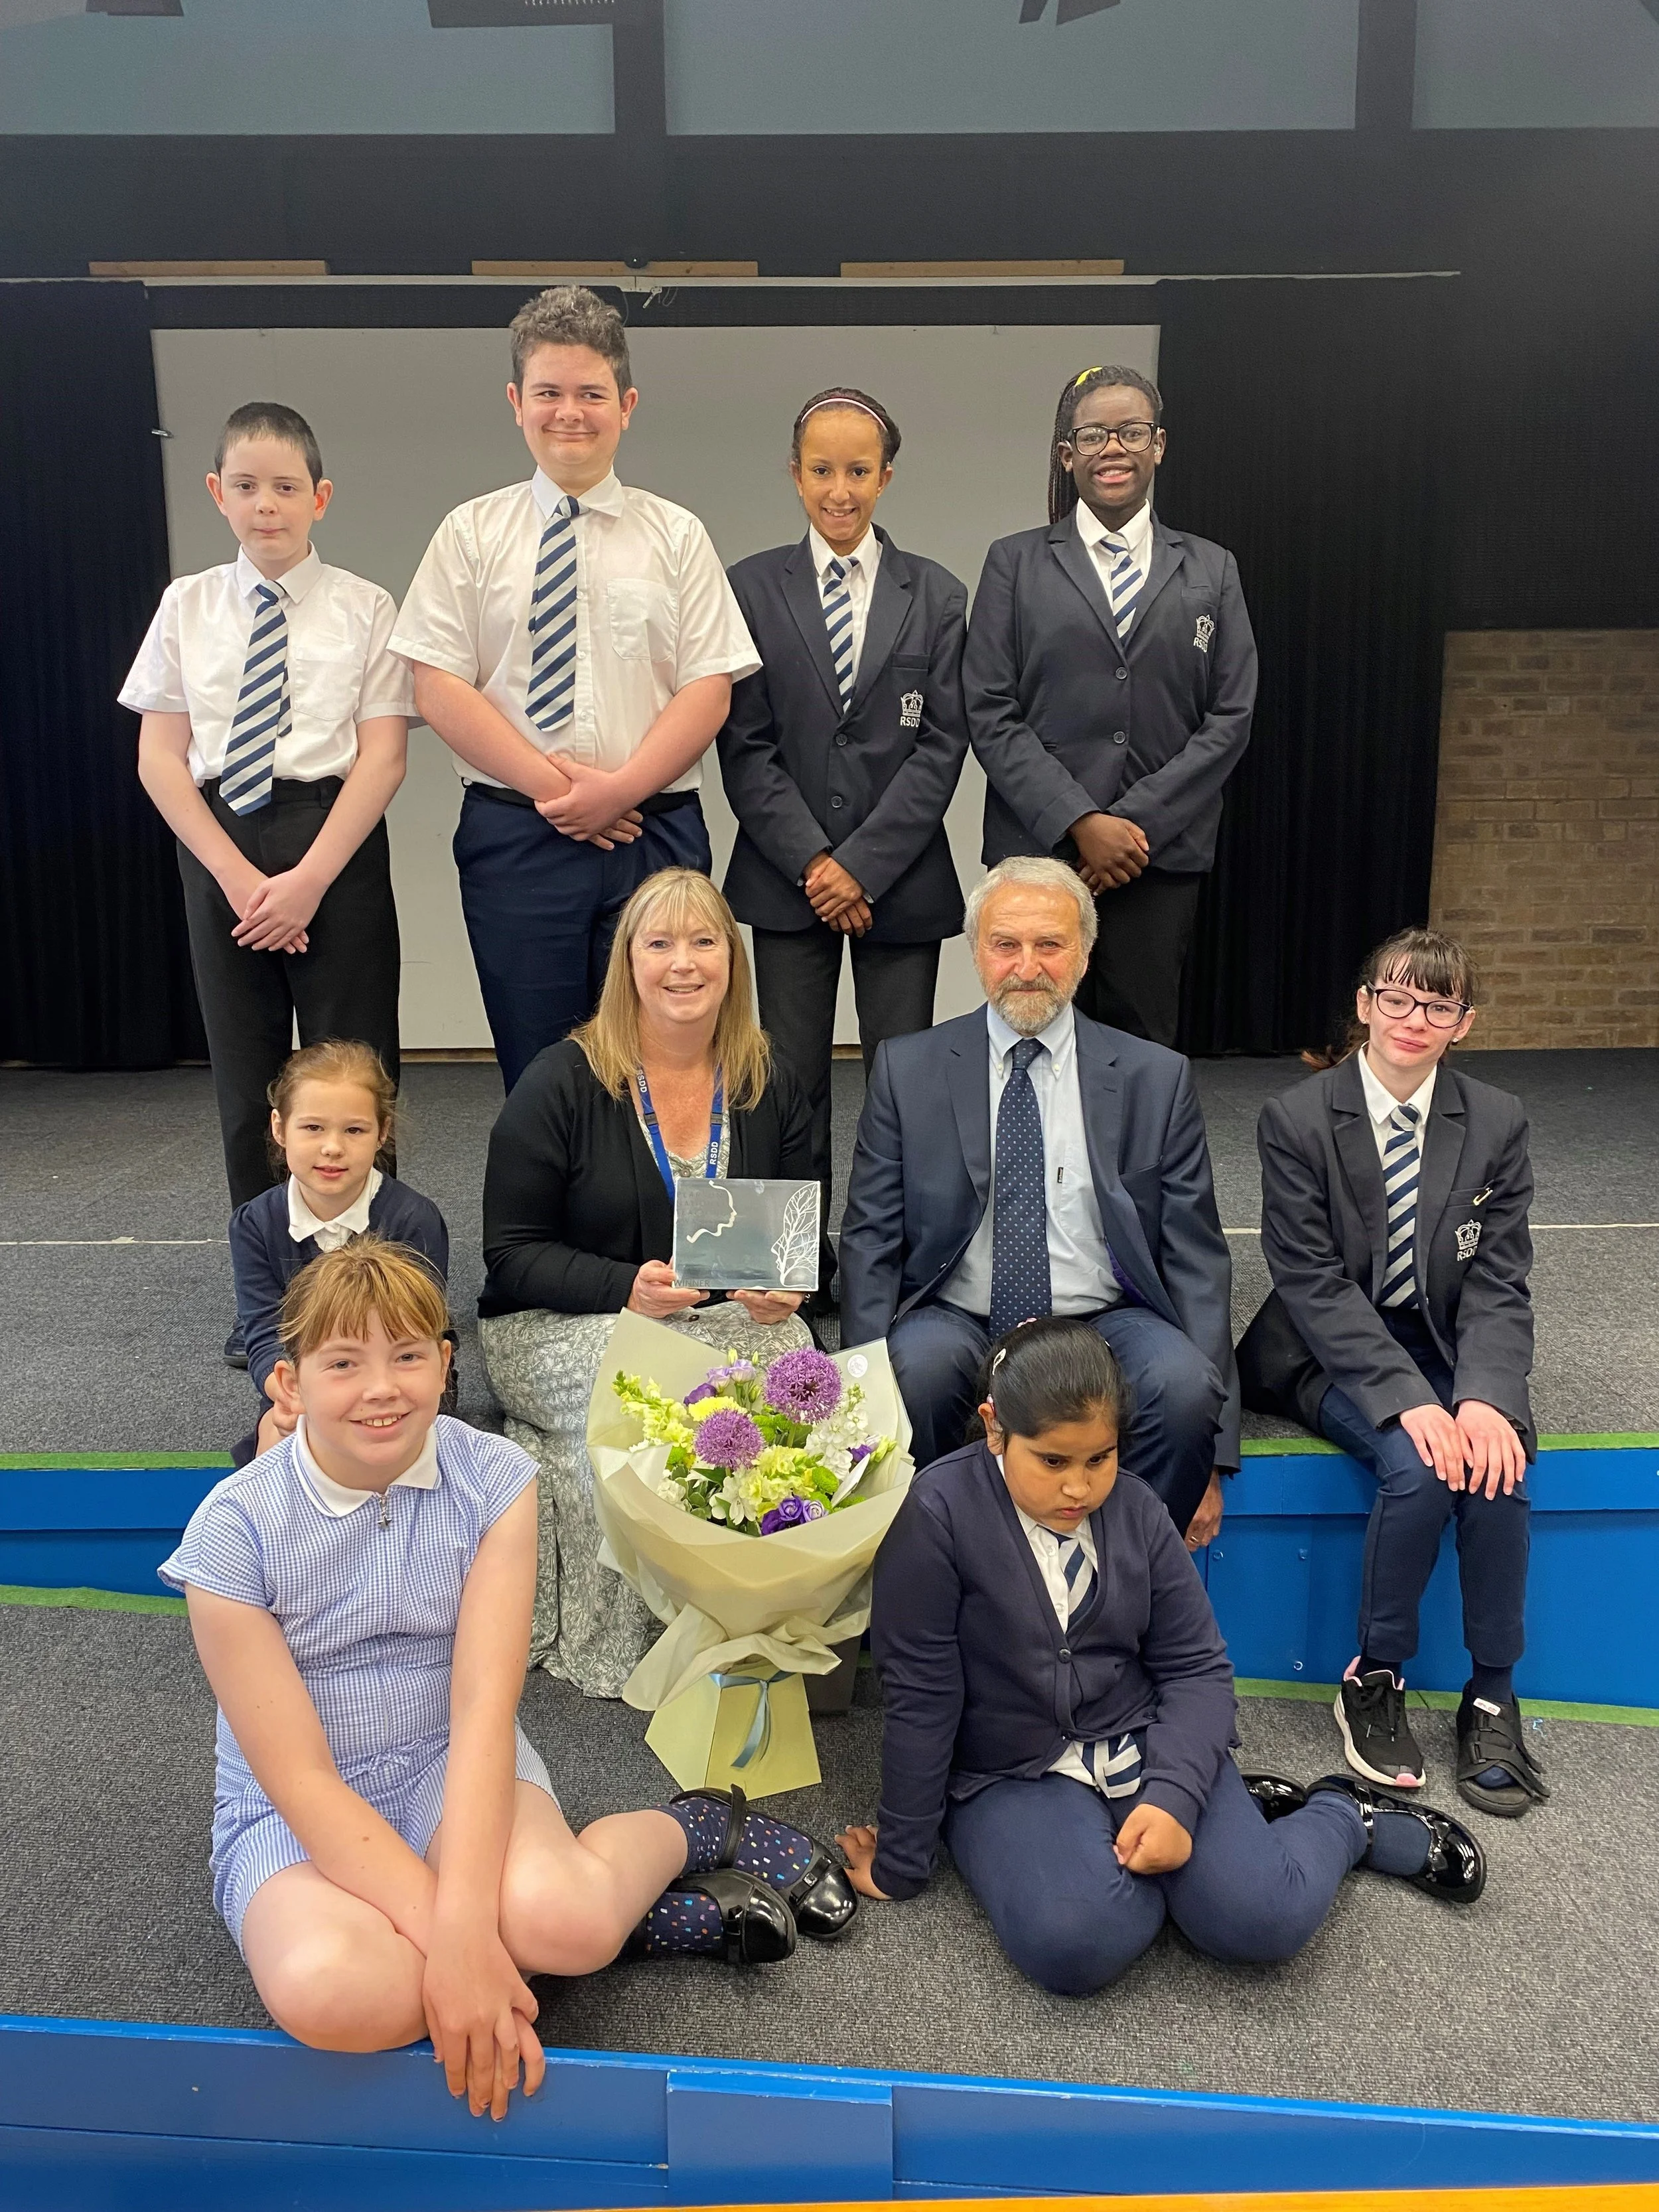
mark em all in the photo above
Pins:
pixel 264 713
pixel 551 700
pixel 1124 578
pixel 1401 1159
pixel 1074 1562
pixel 838 615
pixel 1113 1764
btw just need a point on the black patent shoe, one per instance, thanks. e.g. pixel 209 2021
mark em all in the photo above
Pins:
pixel 1456 1868
pixel 1490 1737
pixel 1274 1796
pixel 756 1926
pixel 823 1899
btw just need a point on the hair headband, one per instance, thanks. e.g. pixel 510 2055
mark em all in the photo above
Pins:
pixel 836 400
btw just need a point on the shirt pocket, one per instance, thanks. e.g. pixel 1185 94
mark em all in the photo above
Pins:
pixel 325 675
pixel 642 619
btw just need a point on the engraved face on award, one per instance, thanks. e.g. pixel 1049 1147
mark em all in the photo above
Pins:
pixel 732 1235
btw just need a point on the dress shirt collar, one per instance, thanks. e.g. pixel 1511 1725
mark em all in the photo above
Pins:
pixel 303 1223
pixel 1380 1104
pixel 1136 533
pixel 1058 1035
pixel 866 554
pixel 331 1497
pixel 605 497
pixel 294 584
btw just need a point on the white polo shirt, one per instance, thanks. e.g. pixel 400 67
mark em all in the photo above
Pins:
pixel 341 670
pixel 653 613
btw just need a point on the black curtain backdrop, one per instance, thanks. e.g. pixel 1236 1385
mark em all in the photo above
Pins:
pixel 1303 436
pixel 94 970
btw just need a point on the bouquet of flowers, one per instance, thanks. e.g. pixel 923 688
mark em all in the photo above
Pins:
pixel 746 1506
pixel 760 1450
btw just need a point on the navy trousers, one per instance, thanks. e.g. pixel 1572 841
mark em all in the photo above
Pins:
pixel 541 910
pixel 1038 1856
pixel 1402 1540
pixel 938 1350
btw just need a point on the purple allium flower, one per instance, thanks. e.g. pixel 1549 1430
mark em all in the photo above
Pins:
pixel 703 1391
pixel 788 1513
pixel 729 1439
pixel 805 1385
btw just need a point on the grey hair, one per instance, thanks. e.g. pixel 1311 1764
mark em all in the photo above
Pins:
pixel 1034 872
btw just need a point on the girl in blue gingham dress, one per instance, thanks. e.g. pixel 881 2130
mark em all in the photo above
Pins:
pixel 387 1850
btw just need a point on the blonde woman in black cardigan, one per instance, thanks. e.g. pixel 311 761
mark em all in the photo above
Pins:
pixel 579 1218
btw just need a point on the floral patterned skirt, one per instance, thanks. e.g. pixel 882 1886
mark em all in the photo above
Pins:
pixel 590 1628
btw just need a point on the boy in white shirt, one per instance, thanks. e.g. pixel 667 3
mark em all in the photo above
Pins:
pixel 274 725
pixel 574 642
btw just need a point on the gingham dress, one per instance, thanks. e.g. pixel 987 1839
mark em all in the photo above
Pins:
pixel 369 1612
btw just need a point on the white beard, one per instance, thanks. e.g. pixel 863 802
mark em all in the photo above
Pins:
pixel 1028 1013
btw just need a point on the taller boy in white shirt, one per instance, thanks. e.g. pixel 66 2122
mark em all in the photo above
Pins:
pixel 274 724
pixel 574 642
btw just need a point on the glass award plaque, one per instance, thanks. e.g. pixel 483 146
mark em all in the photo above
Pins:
pixel 733 1236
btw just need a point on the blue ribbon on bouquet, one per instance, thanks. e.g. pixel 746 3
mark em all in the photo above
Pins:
pixel 760 1728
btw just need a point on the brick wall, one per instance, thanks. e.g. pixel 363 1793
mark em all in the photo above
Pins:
pixel 1547 833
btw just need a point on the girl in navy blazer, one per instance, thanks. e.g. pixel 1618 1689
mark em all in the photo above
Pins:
pixel 840 756
pixel 1059 1707
pixel 333 1110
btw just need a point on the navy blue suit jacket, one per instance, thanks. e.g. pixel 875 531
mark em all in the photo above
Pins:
pixel 921 1180
pixel 264 1259
pixel 869 784
pixel 1067 721
pixel 981 1684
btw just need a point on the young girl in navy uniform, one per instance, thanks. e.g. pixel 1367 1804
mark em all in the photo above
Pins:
pixel 333 1109
pixel 1059 1708
pixel 387 1850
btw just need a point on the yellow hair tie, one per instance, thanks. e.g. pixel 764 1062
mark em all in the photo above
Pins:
pixel 1086 374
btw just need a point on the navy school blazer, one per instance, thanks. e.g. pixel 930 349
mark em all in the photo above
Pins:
pixel 922 1180
pixel 870 785
pixel 1324 1233
pixel 264 1259
pixel 981 1684
pixel 1065 720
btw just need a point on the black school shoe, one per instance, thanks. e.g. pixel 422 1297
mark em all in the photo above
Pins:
pixel 235 1352
pixel 822 1901
pixel 1275 1797
pixel 1370 1711
pixel 1491 1736
pixel 1456 1868
pixel 756 1926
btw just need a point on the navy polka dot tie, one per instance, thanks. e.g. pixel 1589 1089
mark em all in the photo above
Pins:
pixel 1019 1225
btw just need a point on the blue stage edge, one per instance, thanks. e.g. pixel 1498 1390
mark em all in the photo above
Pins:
pixel 183 2120
pixel 1283 1574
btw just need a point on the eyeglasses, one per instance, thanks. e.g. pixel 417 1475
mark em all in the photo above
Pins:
pixel 1399 1005
pixel 1092 437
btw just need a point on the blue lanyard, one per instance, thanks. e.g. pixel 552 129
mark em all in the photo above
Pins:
pixel 716 1123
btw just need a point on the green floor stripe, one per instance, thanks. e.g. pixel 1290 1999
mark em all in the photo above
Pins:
pixel 1446 1701
pixel 119 1463
pixel 90 1601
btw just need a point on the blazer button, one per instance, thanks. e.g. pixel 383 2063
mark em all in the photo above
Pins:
pixel 1065 1652
pixel 840 741
pixel 834 802
pixel 1122 675
pixel 1120 737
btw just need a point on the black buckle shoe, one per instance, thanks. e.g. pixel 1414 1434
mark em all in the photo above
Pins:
pixel 1456 1868
pixel 756 1926
pixel 823 1899
pixel 1488 1738
pixel 1275 1797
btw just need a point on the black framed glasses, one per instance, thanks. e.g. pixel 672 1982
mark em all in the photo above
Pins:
pixel 1399 1005
pixel 1092 437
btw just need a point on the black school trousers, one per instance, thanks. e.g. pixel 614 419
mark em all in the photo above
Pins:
pixel 1133 979
pixel 344 986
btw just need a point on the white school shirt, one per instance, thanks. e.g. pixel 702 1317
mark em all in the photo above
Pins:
pixel 1080 1276
pixel 1136 533
pixel 341 670
pixel 1380 1104
pixel 653 613
pixel 336 1498
pixel 861 564
pixel 331 1235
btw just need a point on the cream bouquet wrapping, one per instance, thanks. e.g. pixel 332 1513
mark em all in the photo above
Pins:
pixel 758 1566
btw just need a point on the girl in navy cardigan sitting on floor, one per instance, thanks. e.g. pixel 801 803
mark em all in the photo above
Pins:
pixel 332 1110
pixel 1059 1707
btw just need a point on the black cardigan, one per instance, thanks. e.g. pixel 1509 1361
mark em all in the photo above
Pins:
pixel 573 1204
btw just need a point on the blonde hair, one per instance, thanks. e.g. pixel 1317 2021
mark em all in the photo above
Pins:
pixel 336 1060
pixel 610 1039
pixel 340 1291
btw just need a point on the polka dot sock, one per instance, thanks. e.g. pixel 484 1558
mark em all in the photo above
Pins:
pixel 767 1848
pixel 679 1922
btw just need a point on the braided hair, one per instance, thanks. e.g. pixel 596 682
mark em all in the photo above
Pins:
pixel 1062 485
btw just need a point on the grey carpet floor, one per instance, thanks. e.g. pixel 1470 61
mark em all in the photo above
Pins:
pixel 1537 2000
pixel 114 1347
